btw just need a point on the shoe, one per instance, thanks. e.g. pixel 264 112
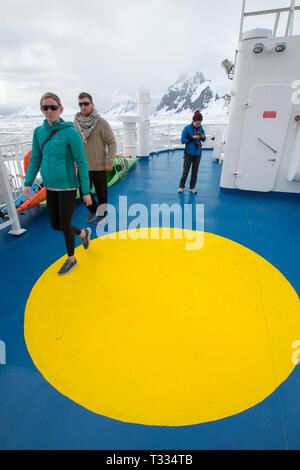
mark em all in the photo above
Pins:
pixel 193 190
pixel 67 267
pixel 91 217
pixel 87 238
pixel 181 190
pixel 100 218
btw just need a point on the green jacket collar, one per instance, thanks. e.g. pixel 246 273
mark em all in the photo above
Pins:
pixel 61 124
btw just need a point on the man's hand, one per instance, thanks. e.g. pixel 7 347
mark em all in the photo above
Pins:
pixel 27 191
pixel 87 199
pixel 109 168
pixel 196 136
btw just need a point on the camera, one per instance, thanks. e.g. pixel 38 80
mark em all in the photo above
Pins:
pixel 197 143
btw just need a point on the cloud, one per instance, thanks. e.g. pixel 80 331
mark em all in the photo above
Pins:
pixel 67 46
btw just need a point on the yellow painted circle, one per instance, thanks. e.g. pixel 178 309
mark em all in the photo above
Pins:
pixel 148 331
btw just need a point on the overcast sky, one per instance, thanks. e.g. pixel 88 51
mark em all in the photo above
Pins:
pixel 111 47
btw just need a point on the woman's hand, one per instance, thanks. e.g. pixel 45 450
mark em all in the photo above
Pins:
pixel 27 191
pixel 87 199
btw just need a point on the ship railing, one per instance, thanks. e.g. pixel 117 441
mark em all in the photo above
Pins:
pixel 162 137
pixel 168 137
pixel 119 139
pixel 12 183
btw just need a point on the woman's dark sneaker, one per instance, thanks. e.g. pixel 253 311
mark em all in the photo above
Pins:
pixel 87 238
pixel 100 218
pixel 91 216
pixel 67 267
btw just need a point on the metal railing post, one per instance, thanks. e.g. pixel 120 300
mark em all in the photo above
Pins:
pixel 242 19
pixel 13 220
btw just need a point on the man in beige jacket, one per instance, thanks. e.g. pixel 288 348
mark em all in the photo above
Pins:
pixel 100 149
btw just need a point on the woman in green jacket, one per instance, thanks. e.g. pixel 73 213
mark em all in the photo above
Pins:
pixel 56 148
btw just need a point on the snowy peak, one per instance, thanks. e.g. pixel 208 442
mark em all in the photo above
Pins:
pixel 185 80
pixel 188 93
pixel 33 111
pixel 122 107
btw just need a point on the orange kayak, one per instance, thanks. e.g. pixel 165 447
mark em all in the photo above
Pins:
pixel 38 196
pixel 34 200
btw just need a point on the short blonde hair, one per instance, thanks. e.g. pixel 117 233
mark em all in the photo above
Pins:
pixel 50 95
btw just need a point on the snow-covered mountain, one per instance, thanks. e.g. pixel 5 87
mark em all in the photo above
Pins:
pixel 122 107
pixel 33 110
pixel 128 107
pixel 188 93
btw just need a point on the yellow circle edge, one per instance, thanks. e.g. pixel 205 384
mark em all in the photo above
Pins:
pixel 146 330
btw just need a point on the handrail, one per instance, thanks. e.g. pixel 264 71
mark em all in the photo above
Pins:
pixel 274 10
pixel 26 142
pixel 290 22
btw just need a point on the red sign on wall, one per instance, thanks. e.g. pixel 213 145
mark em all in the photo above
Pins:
pixel 270 114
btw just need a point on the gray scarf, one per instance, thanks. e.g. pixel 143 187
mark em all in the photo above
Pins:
pixel 86 124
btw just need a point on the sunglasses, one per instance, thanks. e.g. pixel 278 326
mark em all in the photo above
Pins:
pixel 84 103
pixel 53 107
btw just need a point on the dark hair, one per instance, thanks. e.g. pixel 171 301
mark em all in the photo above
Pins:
pixel 83 94
pixel 197 116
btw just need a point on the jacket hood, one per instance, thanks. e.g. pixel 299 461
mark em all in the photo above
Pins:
pixel 58 125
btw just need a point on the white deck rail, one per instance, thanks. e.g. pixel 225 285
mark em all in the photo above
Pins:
pixel 11 182
pixel 168 137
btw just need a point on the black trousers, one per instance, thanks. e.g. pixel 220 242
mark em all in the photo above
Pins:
pixel 188 160
pixel 99 180
pixel 60 205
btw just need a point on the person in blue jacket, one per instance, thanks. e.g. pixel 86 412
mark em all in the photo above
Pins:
pixel 192 136
pixel 57 149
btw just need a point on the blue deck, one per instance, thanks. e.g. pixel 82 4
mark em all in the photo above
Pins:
pixel 33 415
